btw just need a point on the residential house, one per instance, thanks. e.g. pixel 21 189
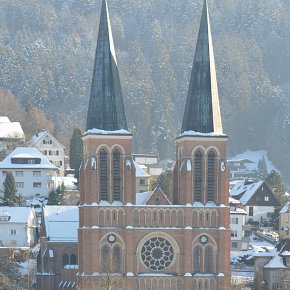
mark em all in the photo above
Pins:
pixel 57 260
pixel 272 269
pixel 18 227
pixel 240 169
pixel 11 134
pixel 142 179
pixel 257 199
pixel 51 148
pixel 34 174
pixel 238 223
pixel 284 222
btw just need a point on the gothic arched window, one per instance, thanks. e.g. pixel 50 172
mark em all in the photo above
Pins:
pixel 105 261
pixel 197 175
pixel 73 259
pixel 210 176
pixel 116 175
pixel 197 259
pixel 103 175
pixel 208 260
pixel 117 259
pixel 65 260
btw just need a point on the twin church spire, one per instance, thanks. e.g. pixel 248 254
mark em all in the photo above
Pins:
pixel 106 107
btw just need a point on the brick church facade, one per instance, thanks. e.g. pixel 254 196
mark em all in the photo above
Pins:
pixel 143 241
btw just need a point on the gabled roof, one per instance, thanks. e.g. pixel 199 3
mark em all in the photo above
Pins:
pixel 61 223
pixel 106 108
pixel 202 109
pixel 17 214
pixel 26 153
pixel 40 135
pixel 143 197
pixel 10 129
pixel 140 172
pixel 244 191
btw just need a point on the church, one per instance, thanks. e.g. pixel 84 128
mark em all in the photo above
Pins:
pixel 143 241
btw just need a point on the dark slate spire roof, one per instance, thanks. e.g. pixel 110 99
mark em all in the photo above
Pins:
pixel 106 107
pixel 202 110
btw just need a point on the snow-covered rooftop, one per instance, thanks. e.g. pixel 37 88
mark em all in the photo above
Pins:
pixel 246 189
pixel 199 134
pixel 104 132
pixel 35 138
pixel 17 214
pixel 140 172
pixel 61 223
pixel 10 129
pixel 26 153
pixel 143 197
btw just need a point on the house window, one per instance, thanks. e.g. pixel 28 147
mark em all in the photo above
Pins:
pixel 234 233
pixel 234 244
pixel 251 211
pixel 19 184
pixel 30 161
pixel 65 260
pixel 19 173
pixel 44 152
pixel 197 175
pixel 13 232
pixel 266 198
pixel 103 175
pixel 142 181
pixel 210 176
pixel 60 163
pixel 234 221
pixel 49 152
pixel 116 175
pixel 36 173
pixel 56 152
pixel 36 184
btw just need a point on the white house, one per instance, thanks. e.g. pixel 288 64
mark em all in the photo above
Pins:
pixel 11 134
pixel 257 199
pixel 50 147
pixel 34 174
pixel 142 178
pixel 17 226
pixel 237 224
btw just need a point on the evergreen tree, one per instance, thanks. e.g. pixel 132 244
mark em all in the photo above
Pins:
pixel 76 151
pixel 165 182
pixel 55 196
pixel 275 182
pixel 10 198
pixel 262 169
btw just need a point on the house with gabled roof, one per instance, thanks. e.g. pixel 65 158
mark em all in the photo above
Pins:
pixel 257 199
pixel 57 260
pixel 34 175
pixel 51 148
pixel 18 226
pixel 272 269
pixel 142 178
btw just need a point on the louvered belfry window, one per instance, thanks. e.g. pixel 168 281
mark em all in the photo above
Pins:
pixel 197 176
pixel 116 175
pixel 210 176
pixel 103 175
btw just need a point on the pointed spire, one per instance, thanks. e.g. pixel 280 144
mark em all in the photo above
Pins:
pixel 106 108
pixel 202 110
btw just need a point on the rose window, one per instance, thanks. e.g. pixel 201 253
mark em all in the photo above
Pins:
pixel 157 253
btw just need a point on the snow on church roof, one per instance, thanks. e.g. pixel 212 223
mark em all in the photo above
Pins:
pixel 61 223
pixel 10 129
pixel 143 197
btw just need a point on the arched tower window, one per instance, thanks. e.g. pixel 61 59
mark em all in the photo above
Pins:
pixel 103 175
pixel 73 259
pixel 105 261
pixel 117 259
pixel 197 259
pixel 65 260
pixel 197 175
pixel 116 175
pixel 210 176
pixel 208 260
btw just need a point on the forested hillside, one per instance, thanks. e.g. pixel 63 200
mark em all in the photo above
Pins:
pixel 47 52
